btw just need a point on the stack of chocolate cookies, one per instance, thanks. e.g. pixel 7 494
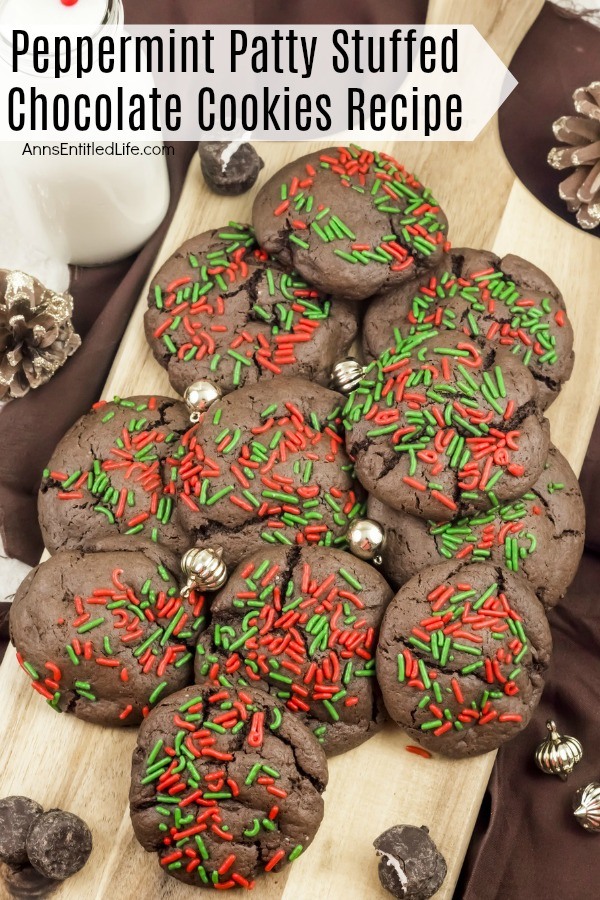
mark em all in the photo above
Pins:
pixel 442 440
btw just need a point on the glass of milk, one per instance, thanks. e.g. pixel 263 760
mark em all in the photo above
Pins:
pixel 80 209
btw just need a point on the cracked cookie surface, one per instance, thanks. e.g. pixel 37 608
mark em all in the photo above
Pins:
pixel 302 623
pixel 505 302
pixel 105 477
pixel 443 427
pixel 223 310
pixel 267 465
pixel 461 657
pixel 351 221
pixel 540 535
pixel 226 785
pixel 105 635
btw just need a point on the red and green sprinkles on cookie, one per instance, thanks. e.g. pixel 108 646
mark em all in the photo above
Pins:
pixel 195 312
pixel 194 789
pixel 136 455
pixel 527 333
pixel 472 538
pixel 392 190
pixel 155 626
pixel 460 619
pixel 449 404
pixel 309 641
pixel 291 506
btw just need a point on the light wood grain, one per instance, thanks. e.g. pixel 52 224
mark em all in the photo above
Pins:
pixel 61 761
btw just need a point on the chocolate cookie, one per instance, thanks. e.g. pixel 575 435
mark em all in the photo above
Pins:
pixel 59 844
pixel 228 168
pixel 221 309
pixel 105 635
pixel 267 464
pixel 17 814
pixel 105 475
pixel 225 786
pixel 461 657
pixel 540 535
pixel 411 866
pixel 351 221
pixel 302 622
pixel 442 427
pixel 507 302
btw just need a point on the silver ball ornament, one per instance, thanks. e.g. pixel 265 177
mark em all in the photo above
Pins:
pixel 366 539
pixel 198 397
pixel 346 375
pixel 558 754
pixel 204 568
pixel 586 806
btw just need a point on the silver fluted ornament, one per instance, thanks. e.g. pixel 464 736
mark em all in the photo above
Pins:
pixel 346 375
pixel 198 397
pixel 204 569
pixel 586 806
pixel 366 539
pixel 558 754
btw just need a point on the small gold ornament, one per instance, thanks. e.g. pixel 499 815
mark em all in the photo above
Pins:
pixel 346 375
pixel 558 754
pixel 199 396
pixel 204 568
pixel 586 806
pixel 366 539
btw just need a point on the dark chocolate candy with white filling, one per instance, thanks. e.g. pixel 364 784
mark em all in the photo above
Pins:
pixel 540 535
pixel 411 866
pixel 221 309
pixel 508 302
pixel 247 777
pixel 267 465
pixel 59 844
pixel 17 814
pixel 229 168
pixel 302 623
pixel 351 221
pixel 105 476
pixel 105 635
pixel 461 657
pixel 443 427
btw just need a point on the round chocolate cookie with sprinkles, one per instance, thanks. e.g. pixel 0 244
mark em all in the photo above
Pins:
pixel 225 786
pixel 442 427
pixel 540 535
pixel 105 476
pixel 351 221
pixel 507 302
pixel 302 623
pixel 461 657
pixel 221 309
pixel 105 635
pixel 267 464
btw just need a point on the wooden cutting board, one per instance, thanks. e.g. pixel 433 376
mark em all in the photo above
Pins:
pixel 59 760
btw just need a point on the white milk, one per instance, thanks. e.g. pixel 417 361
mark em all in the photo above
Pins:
pixel 82 209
